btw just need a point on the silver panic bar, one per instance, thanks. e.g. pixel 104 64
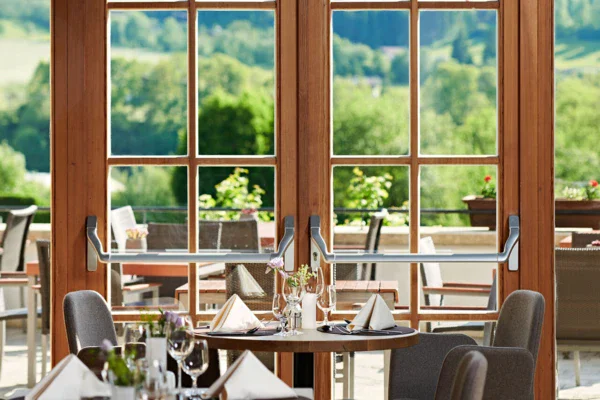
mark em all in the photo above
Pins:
pixel 95 251
pixel 509 254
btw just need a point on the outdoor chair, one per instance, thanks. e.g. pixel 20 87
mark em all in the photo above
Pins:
pixel 353 272
pixel 582 239
pixel 229 235
pixel 577 302
pixel 43 250
pixel 88 322
pixel 122 219
pixel 468 380
pixel 414 371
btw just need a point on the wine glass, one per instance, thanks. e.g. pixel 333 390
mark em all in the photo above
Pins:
pixel 326 302
pixel 134 335
pixel 180 342
pixel 196 363
pixel 316 284
pixel 279 306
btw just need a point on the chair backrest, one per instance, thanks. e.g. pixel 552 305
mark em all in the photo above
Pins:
pixel 510 373
pixel 489 327
pixel 468 382
pixel 228 235
pixel 431 274
pixel 414 370
pixel 122 219
pixel 14 240
pixel 43 250
pixel 250 282
pixel 87 320
pixel 372 244
pixel 582 239
pixel 162 237
pixel 578 301
pixel 520 321
pixel 116 285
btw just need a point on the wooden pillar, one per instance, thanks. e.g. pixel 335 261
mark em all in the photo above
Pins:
pixel 537 174
pixel 78 149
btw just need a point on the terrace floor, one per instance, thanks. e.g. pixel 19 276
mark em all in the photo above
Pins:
pixel 369 372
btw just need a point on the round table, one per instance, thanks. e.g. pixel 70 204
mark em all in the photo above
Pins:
pixel 311 341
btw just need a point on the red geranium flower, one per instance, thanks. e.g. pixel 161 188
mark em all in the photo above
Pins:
pixel 489 178
pixel 593 183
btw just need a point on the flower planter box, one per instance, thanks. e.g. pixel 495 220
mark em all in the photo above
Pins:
pixel 564 220
pixel 487 216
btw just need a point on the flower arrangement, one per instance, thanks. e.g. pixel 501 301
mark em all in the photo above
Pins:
pixel 156 328
pixel 298 278
pixel 596 243
pixel 116 366
pixel 589 192
pixel 488 191
pixel 136 233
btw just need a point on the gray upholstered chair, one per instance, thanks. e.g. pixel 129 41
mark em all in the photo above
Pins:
pixel 577 310
pixel 88 320
pixel 468 380
pixel 582 239
pixel 509 376
pixel 414 371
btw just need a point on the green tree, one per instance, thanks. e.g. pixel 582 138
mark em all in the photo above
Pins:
pixel 460 47
pixel 400 69
pixel 173 36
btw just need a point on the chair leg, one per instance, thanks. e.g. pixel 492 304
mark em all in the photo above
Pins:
pixel 387 356
pixel 22 294
pixel 577 362
pixel 346 375
pixel 351 376
pixel 2 342
pixel 44 354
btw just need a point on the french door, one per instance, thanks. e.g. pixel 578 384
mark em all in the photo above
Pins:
pixel 436 109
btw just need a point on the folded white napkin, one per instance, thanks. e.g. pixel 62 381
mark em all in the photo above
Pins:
pixel 374 315
pixel 234 316
pixel 249 379
pixel 67 381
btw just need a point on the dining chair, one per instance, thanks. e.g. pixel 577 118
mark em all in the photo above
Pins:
pixel 414 371
pixel 122 219
pixel 43 250
pixel 468 380
pixel 509 375
pixel 229 235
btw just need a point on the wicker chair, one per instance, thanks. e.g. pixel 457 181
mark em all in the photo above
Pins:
pixel 228 235
pixel 582 239
pixel 578 302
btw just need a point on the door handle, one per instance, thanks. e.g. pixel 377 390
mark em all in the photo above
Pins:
pixel 509 254
pixel 97 254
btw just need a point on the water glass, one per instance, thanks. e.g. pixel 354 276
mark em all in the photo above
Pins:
pixel 196 363
pixel 326 302
pixel 279 305
pixel 180 342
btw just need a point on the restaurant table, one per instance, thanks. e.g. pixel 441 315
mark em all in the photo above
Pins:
pixel 311 341
pixel 349 293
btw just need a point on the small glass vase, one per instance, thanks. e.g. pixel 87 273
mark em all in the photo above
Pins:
pixel 293 296
pixel 122 392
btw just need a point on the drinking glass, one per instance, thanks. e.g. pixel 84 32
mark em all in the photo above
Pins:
pixel 134 335
pixel 279 306
pixel 316 284
pixel 180 342
pixel 326 302
pixel 196 363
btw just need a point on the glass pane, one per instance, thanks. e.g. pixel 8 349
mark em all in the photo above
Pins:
pixel 371 215
pixel 370 82
pixel 148 214
pixel 459 80
pixel 236 89
pixel 148 82
pixel 458 215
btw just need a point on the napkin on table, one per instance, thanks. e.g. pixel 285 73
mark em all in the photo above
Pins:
pixel 374 315
pixel 66 382
pixel 234 316
pixel 249 379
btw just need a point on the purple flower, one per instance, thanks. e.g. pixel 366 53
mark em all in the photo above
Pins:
pixel 179 323
pixel 171 317
pixel 106 345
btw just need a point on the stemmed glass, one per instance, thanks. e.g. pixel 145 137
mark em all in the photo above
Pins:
pixel 133 336
pixel 316 284
pixel 196 363
pixel 180 342
pixel 326 302
pixel 279 306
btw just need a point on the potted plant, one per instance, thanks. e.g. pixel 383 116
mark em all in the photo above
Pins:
pixel 483 205
pixel 136 239
pixel 575 201
pixel 123 380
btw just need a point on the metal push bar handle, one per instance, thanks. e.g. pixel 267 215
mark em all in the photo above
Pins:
pixel 509 254
pixel 95 251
